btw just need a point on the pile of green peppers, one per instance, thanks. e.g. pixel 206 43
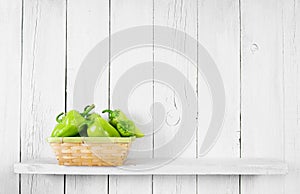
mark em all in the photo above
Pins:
pixel 87 124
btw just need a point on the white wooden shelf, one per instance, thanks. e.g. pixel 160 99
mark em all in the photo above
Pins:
pixel 146 167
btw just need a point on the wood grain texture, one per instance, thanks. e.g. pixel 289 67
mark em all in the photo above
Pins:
pixel 87 25
pixel 291 43
pixel 182 16
pixel 262 85
pixel 218 31
pixel 42 86
pixel 10 89
pixel 35 85
pixel 124 15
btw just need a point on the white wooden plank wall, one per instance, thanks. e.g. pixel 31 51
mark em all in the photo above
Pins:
pixel 179 15
pixel 291 61
pixel 123 17
pixel 254 43
pixel 87 24
pixel 43 88
pixel 214 34
pixel 10 88
pixel 262 112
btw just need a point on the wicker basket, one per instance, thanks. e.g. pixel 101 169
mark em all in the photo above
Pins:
pixel 90 151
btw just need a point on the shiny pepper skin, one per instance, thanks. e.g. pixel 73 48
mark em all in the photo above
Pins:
pixel 99 127
pixel 72 123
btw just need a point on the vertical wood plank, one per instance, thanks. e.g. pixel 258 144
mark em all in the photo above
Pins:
pixel 124 15
pixel 182 16
pixel 43 90
pixel 87 25
pixel 291 43
pixel 10 85
pixel 218 31
pixel 262 112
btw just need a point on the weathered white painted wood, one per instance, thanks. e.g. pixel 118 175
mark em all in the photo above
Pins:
pixel 262 114
pixel 291 23
pixel 43 87
pixel 180 166
pixel 44 50
pixel 179 15
pixel 10 84
pixel 124 15
pixel 218 31
pixel 87 25
pixel 224 184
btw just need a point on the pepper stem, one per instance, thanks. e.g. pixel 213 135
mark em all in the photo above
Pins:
pixel 109 112
pixel 86 107
pixel 58 119
pixel 87 110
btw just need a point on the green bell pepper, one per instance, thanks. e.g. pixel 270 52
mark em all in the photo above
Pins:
pixel 71 123
pixel 99 127
pixel 125 126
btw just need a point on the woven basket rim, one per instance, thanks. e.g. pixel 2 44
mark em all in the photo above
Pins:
pixel 90 139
